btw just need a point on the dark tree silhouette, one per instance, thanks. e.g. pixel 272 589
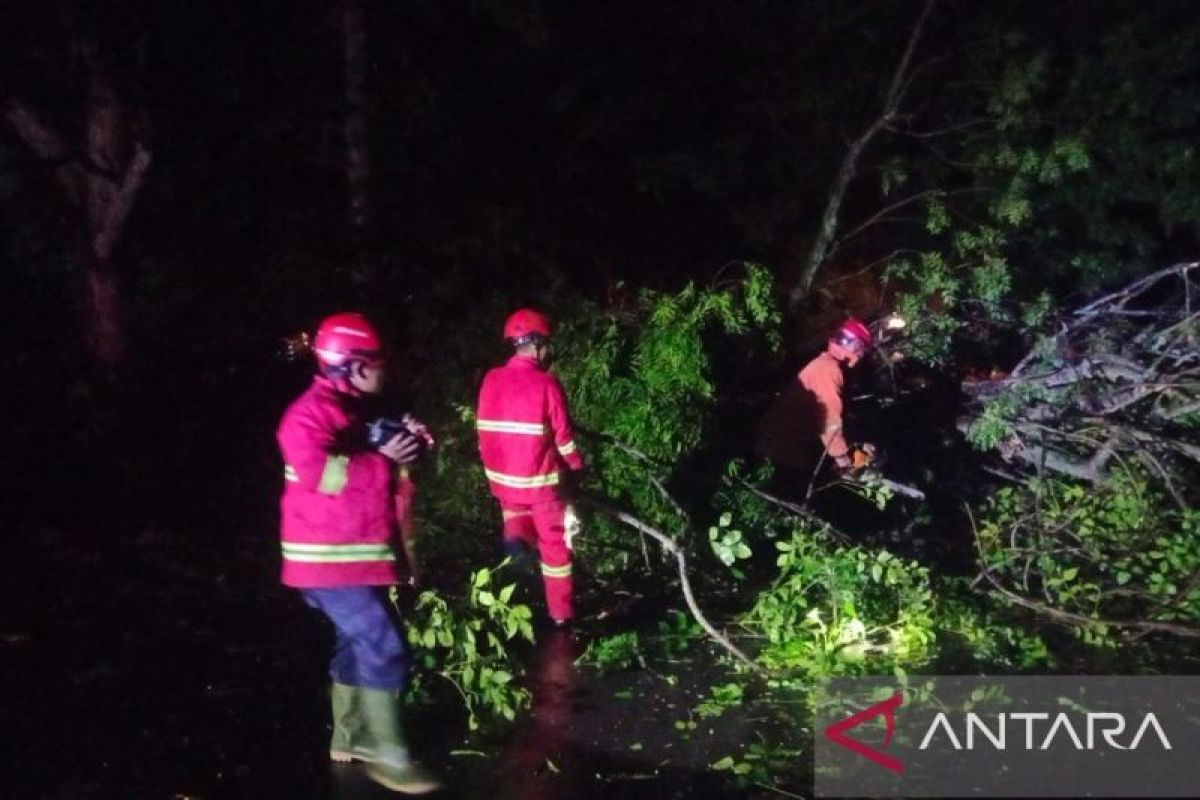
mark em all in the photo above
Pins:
pixel 101 174
pixel 358 158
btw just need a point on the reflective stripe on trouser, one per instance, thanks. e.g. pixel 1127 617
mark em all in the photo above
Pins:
pixel 369 644
pixel 544 525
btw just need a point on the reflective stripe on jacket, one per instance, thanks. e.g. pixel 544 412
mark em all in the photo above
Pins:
pixel 338 509
pixel 525 435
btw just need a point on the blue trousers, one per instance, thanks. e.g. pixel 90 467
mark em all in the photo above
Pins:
pixel 369 647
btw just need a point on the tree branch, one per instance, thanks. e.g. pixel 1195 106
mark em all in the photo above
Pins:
pixel 1070 618
pixel 120 203
pixel 879 216
pixel 47 145
pixel 849 166
pixel 725 480
pixel 670 546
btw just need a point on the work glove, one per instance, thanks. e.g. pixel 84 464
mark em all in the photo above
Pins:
pixel 862 456
pixel 572 526
pixel 858 459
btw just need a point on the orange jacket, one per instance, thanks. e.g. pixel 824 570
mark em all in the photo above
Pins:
pixel 525 435
pixel 823 378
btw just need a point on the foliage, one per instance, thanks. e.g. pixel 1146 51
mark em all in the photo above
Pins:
pixel 452 484
pixel 471 646
pixel 994 424
pixel 720 699
pixel 757 764
pixel 676 633
pixel 643 375
pixel 874 492
pixel 989 636
pixel 843 609
pixel 1120 551
pixel 727 543
pixel 1070 169
pixel 615 653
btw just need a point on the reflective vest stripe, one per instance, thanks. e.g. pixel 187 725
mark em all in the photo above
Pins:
pixel 506 426
pixel 567 448
pixel 290 474
pixel 335 475
pixel 556 572
pixel 336 553
pixel 510 514
pixel 522 481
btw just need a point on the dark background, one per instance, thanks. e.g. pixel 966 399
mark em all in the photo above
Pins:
pixel 519 151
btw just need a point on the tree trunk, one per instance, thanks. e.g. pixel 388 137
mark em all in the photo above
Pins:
pixel 102 186
pixel 358 162
pixel 824 245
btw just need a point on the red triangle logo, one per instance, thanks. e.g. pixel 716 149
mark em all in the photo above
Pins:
pixel 836 733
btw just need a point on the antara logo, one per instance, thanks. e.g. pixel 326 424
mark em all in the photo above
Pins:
pixel 1109 725
pixel 836 733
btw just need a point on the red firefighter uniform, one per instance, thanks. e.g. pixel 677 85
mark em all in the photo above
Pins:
pixel 341 504
pixel 526 442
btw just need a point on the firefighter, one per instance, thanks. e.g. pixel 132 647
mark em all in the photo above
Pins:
pixel 339 531
pixel 821 380
pixel 529 455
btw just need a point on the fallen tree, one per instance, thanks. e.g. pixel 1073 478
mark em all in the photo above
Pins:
pixel 1119 379
pixel 1099 427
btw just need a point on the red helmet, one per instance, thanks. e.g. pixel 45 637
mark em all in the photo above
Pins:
pixel 854 329
pixel 525 323
pixel 347 337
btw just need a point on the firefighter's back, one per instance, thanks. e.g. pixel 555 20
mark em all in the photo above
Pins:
pixel 516 442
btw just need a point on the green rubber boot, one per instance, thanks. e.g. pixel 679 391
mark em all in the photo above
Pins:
pixel 343 700
pixel 384 748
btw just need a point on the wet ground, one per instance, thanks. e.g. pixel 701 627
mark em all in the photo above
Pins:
pixel 148 650
pixel 166 662
pixel 159 678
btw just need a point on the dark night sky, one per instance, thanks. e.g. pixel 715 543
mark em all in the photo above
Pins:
pixel 514 143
